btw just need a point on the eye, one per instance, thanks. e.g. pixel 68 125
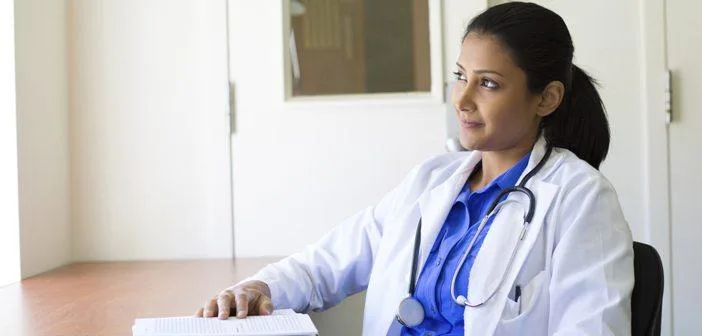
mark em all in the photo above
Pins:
pixel 489 84
pixel 459 76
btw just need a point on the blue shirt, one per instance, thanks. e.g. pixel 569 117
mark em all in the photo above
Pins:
pixel 433 290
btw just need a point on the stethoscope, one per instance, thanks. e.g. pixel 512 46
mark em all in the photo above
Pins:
pixel 411 312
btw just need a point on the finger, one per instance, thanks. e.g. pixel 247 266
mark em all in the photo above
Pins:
pixel 199 312
pixel 265 306
pixel 211 308
pixel 224 303
pixel 242 305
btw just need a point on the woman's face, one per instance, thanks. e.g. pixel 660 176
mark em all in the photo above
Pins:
pixel 496 112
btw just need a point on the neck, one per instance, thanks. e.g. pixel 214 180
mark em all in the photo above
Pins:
pixel 495 163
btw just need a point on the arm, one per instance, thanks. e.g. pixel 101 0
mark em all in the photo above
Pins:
pixel 593 264
pixel 338 265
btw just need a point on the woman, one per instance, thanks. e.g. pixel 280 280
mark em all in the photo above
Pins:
pixel 556 255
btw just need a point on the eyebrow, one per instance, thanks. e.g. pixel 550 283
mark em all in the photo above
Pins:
pixel 482 71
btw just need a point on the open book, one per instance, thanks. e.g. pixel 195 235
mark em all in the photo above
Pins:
pixel 283 322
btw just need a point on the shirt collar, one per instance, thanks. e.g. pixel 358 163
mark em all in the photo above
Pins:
pixel 509 178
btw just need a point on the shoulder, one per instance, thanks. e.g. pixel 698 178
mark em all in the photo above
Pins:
pixel 571 173
pixel 585 194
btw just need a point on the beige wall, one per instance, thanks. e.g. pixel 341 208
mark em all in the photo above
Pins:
pixel 42 122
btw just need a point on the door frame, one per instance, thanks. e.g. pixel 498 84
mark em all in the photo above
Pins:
pixel 656 144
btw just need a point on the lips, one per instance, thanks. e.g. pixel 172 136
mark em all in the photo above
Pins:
pixel 471 124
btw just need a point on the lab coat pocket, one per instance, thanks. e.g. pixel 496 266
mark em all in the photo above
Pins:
pixel 526 311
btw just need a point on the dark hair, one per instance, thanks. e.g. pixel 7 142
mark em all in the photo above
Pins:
pixel 540 44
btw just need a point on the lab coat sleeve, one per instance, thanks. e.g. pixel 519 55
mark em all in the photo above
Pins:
pixel 337 266
pixel 593 263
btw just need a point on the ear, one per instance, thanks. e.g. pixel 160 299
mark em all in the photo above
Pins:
pixel 551 98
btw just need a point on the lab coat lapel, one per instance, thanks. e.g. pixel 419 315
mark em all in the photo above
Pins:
pixel 490 268
pixel 435 204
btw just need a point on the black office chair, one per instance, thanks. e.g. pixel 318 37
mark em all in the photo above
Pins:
pixel 647 298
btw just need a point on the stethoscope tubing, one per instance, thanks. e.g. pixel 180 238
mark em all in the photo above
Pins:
pixel 494 208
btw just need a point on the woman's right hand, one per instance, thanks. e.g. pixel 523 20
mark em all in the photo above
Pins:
pixel 248 298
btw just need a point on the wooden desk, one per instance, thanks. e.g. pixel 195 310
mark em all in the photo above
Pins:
pixel 104 298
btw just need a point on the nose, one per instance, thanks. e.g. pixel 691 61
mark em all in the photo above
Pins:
pixel 464 97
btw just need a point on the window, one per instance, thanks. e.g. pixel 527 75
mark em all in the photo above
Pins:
pixel 359 46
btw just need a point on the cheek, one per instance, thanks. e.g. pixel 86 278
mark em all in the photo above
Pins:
pixel 507 114
pixel 508 121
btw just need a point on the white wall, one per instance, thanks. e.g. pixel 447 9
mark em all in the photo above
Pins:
pixel 149 129
pixel 612 52
pixel 9 213
pixel 42 121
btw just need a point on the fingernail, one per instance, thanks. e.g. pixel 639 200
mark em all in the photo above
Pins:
pixel 241 314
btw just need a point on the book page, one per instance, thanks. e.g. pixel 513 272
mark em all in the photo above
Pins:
pixel 298 324
pixel 182 326
pixel 283 322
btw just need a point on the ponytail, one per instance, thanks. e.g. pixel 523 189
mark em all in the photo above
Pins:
pixel 580 123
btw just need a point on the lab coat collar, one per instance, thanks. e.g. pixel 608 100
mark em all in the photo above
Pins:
pixel 435 203
pixel 537 153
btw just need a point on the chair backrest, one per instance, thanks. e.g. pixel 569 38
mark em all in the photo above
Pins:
pixel 647 297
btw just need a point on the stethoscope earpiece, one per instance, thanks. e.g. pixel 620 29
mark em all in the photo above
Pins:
pixel 461 300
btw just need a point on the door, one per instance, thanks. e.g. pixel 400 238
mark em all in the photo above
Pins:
pixel 684 40
pixel 149 176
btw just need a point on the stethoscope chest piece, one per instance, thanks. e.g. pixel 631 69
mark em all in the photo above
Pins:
pixel 410 312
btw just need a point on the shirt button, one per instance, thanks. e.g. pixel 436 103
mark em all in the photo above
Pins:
pixel 428 333
pixel 438 262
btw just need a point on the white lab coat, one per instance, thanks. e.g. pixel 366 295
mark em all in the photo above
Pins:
pixel 575 264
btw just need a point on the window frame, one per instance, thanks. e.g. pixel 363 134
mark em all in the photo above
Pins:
pixel 436 68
